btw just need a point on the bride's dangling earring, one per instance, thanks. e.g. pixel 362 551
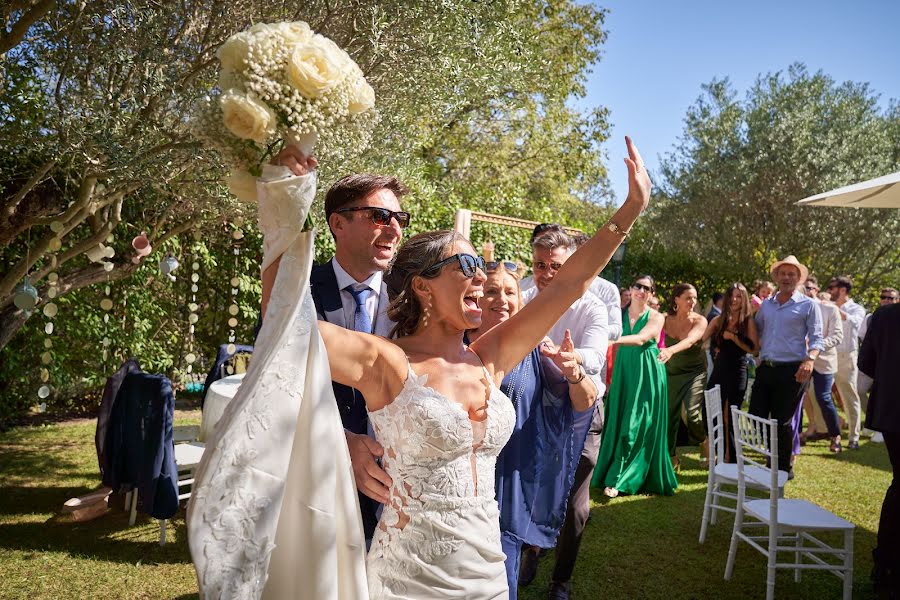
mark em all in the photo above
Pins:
pixel 426 312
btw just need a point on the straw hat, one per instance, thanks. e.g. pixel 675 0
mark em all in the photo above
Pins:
pixel 790 260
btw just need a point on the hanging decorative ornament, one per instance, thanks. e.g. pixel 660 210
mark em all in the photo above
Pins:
pixel 50 310
pixel 191 382
pixel 237 235
pixel 168 265
pixel 99 252
pixel 106 305
pixel 25 296
pixel 142 247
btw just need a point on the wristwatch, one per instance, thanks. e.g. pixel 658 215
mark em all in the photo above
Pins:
pixel 811 357
pixel 613 227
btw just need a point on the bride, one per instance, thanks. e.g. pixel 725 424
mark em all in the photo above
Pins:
pixel 434 402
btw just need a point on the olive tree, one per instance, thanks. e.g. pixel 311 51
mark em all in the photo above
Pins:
pixel 95 99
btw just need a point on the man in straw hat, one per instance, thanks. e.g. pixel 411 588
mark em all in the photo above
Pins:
pixel 790 334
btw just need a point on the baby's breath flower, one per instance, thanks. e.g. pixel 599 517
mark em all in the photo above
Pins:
pixel 265 64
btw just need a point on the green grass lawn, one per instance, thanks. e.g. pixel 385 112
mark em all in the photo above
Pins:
pixel 634 547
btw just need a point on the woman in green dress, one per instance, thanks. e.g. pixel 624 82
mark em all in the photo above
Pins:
pixel 633 450
pixel 685 368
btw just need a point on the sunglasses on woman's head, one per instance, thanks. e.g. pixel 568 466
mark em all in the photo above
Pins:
pixel 381 216
pixel 468 264
pixel 641 286
pixel 509 266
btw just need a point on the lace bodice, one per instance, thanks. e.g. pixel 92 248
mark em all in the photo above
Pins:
pixel 442 497
pixel 430 443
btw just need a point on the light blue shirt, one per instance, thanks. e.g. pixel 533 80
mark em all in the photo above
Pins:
pixel 788 331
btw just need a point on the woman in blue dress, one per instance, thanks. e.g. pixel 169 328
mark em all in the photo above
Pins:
pixel 554 403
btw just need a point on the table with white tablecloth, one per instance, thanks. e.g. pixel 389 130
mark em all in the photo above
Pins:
pixel 219 394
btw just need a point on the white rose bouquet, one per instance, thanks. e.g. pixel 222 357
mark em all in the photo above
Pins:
pixel 283 83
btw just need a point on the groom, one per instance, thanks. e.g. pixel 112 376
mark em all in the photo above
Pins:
pixel 363 214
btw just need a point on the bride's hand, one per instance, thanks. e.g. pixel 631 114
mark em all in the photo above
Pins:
pixel 291 157
pixel 639 184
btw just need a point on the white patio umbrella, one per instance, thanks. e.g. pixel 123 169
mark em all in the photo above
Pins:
pixel 881 192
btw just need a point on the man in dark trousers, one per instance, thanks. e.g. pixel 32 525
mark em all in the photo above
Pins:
pixel 363 213
pixel 790 337
pixel 879 358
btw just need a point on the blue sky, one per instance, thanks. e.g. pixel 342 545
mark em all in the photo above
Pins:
pixel 658 54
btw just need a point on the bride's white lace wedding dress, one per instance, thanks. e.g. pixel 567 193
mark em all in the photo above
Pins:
pixel 439 536
pixel 274 511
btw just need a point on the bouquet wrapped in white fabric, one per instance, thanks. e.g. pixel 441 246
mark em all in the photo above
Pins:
pixel 283 83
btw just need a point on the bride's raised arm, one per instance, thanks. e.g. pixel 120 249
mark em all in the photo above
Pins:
pixel 506 344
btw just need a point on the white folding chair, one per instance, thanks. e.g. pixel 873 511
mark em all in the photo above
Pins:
pixel 722 473
pixel 186 433
pixel 789 521
pixel 187 457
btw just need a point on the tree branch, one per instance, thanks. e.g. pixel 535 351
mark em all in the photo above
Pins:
pixel 10 39
pixel 86 244
pixel 10 206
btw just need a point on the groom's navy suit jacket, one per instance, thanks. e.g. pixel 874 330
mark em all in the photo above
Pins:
pixel 352 405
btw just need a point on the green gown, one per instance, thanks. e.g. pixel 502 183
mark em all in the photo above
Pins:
pixel 634 455
pixel 686 380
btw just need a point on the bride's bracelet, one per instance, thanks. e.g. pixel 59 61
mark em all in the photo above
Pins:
pixel 580 377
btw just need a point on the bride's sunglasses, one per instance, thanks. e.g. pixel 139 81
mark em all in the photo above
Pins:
pixel 468 264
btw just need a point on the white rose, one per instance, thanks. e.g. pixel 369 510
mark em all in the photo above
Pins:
pixel 362 97
pixel 337 54
pixel 297 32
pixel 243 185
pixel 260 28
pixel 246 117
pixel 234 52
pixel 313 71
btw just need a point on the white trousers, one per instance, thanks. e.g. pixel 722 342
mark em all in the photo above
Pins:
pixel 845 380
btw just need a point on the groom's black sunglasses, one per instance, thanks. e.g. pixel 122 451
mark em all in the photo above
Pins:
pixel 468 264
pixel 381 216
